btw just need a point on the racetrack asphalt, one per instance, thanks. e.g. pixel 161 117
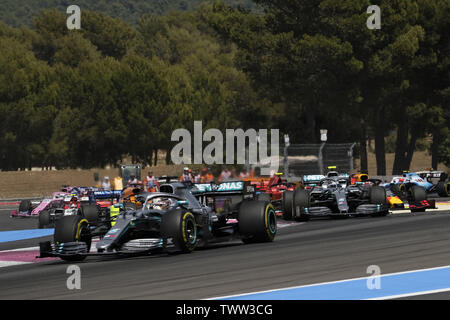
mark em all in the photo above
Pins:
pixel 306 253
pixel 9 224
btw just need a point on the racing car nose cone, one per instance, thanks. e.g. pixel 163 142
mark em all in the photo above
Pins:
pixel 104 244
pixel 101 246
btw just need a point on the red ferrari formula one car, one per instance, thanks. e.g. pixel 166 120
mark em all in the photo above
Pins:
pixel 272 190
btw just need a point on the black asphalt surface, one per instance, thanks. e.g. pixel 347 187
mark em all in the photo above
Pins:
pixel 8 224
pixel 313 252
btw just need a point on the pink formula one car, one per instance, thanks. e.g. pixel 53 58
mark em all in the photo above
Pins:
pixel 28 208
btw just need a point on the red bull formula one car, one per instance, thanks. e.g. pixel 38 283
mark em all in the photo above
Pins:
pixel 415 197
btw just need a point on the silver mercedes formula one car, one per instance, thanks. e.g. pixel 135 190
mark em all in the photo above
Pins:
pixel 334 196
pixel 178 219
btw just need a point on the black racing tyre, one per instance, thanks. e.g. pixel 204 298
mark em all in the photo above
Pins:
pixel 295 200
pixel 257 221
pixel 403 189
pixel 287 203
pixel 399 190
pixel 418 193
pixel 395 189
pixel 90 212
pixel 443 189
pixel 25 206
pixel 44 219
pixel 377 195
pixel 301 200
pixel 263 197
pixel 179 231
pixel 73 229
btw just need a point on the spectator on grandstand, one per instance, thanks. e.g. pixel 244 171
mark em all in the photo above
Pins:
pixel 132 180
pixel 151 182
pixel 203 175
pixel 106 185
pixel 244 174
pixel 208 177
pixel 197 177
pixel 186 176
pixel 224 175
pixel 233 175
pixel 118 183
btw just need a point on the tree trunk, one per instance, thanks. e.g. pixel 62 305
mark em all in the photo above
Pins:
pixel 400 149
pixel 168 156
pixel 155 163
pixel 363 149
pixel 380 152
pixel 411 147
pixel 309 126
pixel 149 158
pixel 435 150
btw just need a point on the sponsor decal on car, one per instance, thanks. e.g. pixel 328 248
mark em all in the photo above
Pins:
pixel 231 186
pixel 225 186
pixel 313 177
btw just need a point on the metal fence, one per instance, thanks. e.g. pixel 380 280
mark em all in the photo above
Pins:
pixel 301 159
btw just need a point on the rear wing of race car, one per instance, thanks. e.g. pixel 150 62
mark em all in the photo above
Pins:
pixel 225 196
pixel 107 194
pixel 441 175
pixel 244 188
pixel 312 179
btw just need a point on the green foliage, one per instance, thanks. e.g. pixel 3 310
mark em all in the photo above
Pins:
pixel 87 97
pixel 21 13
pixel 331 71
pixel 130 76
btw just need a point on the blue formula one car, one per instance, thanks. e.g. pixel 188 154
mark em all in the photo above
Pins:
pixel 430 181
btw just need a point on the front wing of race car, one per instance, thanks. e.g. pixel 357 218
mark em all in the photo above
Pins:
pixel 422 205
pixel 36 205
pixel 361 210
pixel 396 203
pixel 80 249
pixel 18 214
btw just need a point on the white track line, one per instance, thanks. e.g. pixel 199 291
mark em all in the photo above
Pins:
pixel 391 211
pixel 12 263
pixel 22 249
pixel 324 283
pixel 420 293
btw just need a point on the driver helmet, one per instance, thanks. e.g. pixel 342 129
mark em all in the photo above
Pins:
pixel 159 204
